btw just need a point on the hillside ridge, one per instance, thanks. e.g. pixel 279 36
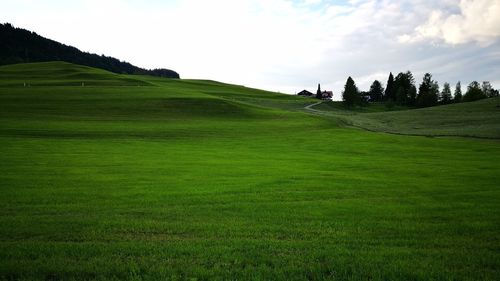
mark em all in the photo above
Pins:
pixel 19 45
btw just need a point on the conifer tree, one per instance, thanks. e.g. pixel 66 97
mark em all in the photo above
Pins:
pixel 389 90
pixel 428 92
pixel 376 91
pixel 319 95
pixel 446 97
pixel 458 93
pixel 404 87
pixel 351 95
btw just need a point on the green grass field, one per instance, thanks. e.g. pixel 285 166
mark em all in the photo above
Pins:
pixel 480 119
pixel 141 178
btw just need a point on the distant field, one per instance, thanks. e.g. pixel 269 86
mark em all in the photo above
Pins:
pixel 139 178
pixel 474 119
pixel 339 107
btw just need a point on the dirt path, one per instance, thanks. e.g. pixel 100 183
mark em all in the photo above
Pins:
pixel 309 107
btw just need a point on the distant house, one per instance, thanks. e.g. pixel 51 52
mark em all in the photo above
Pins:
pixel 305 93
pixel 365 97
pixel 327 95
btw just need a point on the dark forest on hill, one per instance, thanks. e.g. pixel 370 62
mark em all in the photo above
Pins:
pixel 18 45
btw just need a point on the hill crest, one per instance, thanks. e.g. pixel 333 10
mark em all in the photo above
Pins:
pixel 19 45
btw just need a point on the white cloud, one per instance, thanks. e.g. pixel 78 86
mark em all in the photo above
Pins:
pixel 312 2
pixel 478 21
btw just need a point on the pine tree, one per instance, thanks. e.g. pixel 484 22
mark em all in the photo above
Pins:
pixel 458 93
pixel 389 90
pixel 412 95
pixel 446 94
pixel 428 92
pixel 376 91
pixel 401 95
pixel 319 95
pixel 351 96
pixel 404 87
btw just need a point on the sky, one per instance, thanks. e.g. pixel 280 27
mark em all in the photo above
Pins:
pixel 280 45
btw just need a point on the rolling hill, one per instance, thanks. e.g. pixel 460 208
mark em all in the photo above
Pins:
pixel 479 119
pixel 134 177
pixel 18 45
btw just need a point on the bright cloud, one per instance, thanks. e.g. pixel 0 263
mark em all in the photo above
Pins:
pixel 279 45
pixel 478 21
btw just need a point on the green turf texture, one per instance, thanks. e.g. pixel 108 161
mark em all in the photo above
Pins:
pixel 480 119
pixel 139 178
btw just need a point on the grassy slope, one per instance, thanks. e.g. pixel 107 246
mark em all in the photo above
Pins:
pixel 62 73
pixel 198 179
pixel 339 107
pixel 473 119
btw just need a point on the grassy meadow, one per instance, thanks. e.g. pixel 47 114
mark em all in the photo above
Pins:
pixel 480 119
pixel 142 178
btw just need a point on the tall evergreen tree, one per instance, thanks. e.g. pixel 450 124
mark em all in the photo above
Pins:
pixel 474 92
pixel 412 95
pixel 319 94
pixel 400 95
pixel 389 90
pixel 404 85
pixel 458 93
pixel 446 97
pixel 428 92
pixel 376 92
pixel 350 95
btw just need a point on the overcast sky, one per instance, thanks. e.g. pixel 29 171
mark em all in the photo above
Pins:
pixel 280 45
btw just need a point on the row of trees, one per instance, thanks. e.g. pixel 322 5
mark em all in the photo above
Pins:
pixel 401 90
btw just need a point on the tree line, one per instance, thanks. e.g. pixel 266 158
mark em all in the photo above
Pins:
pixel 402 90
pixel 18 45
